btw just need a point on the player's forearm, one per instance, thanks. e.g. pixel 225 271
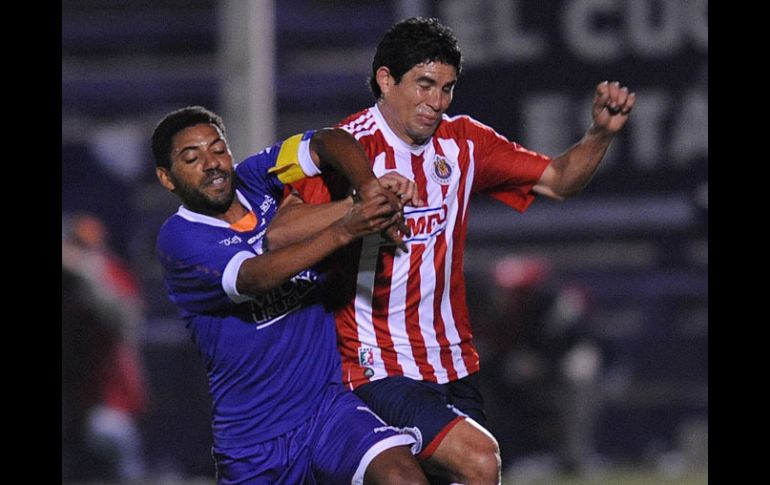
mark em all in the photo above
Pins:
pixel 338 148
pixel 268 271
pixel 575 167
pixel 300 221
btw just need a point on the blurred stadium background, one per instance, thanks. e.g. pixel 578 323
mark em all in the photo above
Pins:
pixel 591 315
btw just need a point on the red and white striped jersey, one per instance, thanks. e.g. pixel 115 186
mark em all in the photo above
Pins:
pixel 405 313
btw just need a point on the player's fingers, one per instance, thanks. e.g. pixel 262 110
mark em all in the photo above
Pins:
pixel 622 96
pixel 602 89
pixel 393 236
pixel 601 97
pixel 629 105
pixel 612 100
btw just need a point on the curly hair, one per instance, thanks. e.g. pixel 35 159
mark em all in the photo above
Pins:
pixel 413 41
pixel 176 121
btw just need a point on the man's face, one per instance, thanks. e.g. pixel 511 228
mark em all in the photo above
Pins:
pixel 413 107
pixel 201 171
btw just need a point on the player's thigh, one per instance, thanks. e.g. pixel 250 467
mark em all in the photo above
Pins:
pixel 465 447
pixel 465 395
pixel 420 408
pixel 348 437
pixel 282 460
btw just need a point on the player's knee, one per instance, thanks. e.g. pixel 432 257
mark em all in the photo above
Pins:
pixel 396 465
pixel 482 463
pixel 404 475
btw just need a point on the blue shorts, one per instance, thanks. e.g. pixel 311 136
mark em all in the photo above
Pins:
pixel 424 409
pixel 334 446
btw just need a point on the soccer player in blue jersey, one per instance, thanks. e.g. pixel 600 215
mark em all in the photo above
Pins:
pixel 280 412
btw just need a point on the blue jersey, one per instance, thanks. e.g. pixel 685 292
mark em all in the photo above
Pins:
pixel 268 356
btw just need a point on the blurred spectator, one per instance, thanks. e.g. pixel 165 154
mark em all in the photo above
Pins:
pixel 103 390
pixel 542 366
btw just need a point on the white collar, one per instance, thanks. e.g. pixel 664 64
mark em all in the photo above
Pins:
pixel 394 140
pixel 191 216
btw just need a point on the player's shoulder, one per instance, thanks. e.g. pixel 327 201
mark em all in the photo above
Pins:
pixel 466 127
pixel 355 118
pixel 177 233
pixel 463 124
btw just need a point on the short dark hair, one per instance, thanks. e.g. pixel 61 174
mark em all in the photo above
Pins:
pixel 413 41
pixel 173 123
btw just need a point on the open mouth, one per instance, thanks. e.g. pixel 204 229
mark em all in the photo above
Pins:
pixel 218 180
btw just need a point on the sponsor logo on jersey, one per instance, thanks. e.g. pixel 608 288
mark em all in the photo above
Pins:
pixel 425 222
pixel 365 356
pixel 442 170
pixel 266 204
pixel 257 236
pixel 231 240
pixel 274 304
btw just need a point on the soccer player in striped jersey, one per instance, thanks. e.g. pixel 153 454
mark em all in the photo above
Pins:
pixel 404 333
pixel 280 411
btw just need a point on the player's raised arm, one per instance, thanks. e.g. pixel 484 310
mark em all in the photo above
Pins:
pixel 571 171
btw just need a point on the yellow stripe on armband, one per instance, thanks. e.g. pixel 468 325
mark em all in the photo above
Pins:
pixel 287 167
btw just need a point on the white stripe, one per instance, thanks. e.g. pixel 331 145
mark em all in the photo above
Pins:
pixel 367 265
pixel 428 276
pixel 397 314
pixel 356 123
pixel 230 276
pixel 276 319
pixel 398 286
pixel 306 162
pixel 451 150
pixel 366 409
pixel 191 216
pixel 379 447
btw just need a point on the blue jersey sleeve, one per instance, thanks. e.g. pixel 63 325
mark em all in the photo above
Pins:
pixel 200 264
pixel 270 170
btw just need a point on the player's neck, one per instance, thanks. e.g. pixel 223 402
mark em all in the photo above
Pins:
pixel 397 126
pixel 235 213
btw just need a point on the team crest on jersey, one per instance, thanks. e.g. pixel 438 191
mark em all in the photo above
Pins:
pixel 365 356
pixel 442 170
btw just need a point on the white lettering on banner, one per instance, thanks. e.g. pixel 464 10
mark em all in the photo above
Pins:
pixel 588 40
pixel 648 118
pixel 511 39
pixel 664 127
pixel 596 31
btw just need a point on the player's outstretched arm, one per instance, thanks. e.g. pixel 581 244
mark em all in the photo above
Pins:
pixel 269 270
pixel 571 171
pixel 338 148
pixel 296 220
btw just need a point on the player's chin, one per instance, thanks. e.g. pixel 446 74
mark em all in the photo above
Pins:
pixel 221 200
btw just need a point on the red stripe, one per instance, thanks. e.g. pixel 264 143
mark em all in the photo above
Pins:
pixel 439 265
pixel 412 314
pixel 380 305
pixel 343 273
pixel 413 292
pixel 457 281
pixel 390 158
pixel 431 448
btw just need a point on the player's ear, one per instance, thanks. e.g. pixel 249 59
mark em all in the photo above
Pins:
pixel 384 79
pixel 165 178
